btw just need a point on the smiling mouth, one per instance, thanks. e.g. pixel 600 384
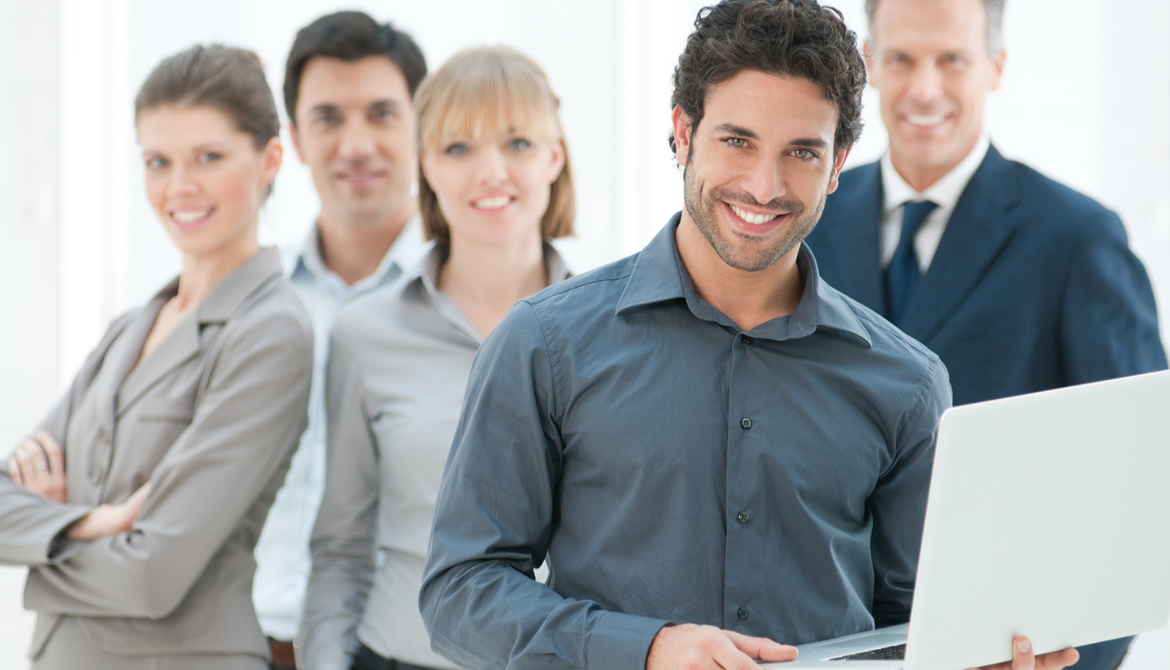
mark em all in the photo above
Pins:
pixel 926 119
pixel 755 219
pixel 191 216
pixel 493 203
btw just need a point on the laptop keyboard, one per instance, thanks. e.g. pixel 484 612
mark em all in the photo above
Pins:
pixel 896 652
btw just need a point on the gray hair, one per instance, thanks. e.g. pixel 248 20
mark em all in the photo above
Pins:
pixel 994 23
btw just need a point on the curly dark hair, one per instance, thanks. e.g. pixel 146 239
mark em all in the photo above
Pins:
pixel 790 38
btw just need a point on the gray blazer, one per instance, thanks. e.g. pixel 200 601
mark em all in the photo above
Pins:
pixel 211 418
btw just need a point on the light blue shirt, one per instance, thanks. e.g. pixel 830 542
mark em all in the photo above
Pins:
pixel 282 553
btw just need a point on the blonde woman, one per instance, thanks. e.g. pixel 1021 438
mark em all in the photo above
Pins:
pixel 494 187
pixel 137 503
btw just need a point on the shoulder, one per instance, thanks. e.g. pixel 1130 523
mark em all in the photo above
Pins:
pixel 272 315
pixel 363 323
pixel 1058 199
pixel 599 287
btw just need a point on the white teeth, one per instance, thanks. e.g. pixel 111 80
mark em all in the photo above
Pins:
pixel 498 202
pixel 753 218
pixel 926 119
pixel 190 216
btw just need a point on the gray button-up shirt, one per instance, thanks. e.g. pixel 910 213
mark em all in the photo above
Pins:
pixel 397 371
pixel 672 467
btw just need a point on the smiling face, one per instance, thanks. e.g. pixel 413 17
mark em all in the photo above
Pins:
pixel 930 64
pixel 355 130
pixel 759 166
pixel 494 188
pixel 204 178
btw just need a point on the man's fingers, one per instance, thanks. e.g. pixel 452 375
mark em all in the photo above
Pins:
pixel 1022 656
pixel 1058 659
pixel 53 451
pixel 729 656
pixel 761 648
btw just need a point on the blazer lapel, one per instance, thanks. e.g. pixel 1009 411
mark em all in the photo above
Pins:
pixel 853 258
pixel 185 341
pixel 122 355
pixel 979 228
pixel 178 347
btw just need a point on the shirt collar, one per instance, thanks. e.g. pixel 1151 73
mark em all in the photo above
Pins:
pixel 402 255
pixel 658 276
pixel 945 192
pixel 425 275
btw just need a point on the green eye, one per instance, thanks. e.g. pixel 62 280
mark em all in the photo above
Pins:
pixel 737 142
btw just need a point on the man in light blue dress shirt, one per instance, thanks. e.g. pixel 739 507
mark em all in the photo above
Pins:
pixel 714 450
pixel 349 85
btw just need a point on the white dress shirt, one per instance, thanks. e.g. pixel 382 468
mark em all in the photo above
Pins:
pixel 945 193
pixel 282 553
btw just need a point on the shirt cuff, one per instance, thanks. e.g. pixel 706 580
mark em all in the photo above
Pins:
pixel 621 641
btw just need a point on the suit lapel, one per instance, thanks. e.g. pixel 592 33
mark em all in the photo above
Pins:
pixel 178 347
pixel 122 355
pixel 976 233
pixel 855 256
pixel 185 341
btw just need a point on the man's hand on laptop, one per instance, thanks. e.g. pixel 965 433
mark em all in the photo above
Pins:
pixel 1023 659
pixel 691 647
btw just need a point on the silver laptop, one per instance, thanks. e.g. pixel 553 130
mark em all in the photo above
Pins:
pixel 1048 516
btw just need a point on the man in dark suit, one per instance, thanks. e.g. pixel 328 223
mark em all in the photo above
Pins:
pixel 1018 283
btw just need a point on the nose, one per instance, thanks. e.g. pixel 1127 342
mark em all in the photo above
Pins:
pixel 925 83
pixel 492 168
pixel 180 183
pixel 765 180
pixel 357 141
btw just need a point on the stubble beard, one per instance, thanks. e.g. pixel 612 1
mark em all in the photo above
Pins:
pixel 703 210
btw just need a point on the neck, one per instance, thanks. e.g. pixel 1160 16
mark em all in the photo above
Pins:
pixel 486 280
pixel 921 178
pixel 747 298
pixel 201 274
pixel 354 251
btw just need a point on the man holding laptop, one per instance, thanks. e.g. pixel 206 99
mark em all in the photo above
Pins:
pixel 713 448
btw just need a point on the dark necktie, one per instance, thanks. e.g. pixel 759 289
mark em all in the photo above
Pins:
pixel 902 274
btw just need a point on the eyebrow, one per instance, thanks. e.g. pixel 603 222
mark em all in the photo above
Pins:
pixel 806 143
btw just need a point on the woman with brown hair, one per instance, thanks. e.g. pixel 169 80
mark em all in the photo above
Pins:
pixel 494 187
pixel 138 501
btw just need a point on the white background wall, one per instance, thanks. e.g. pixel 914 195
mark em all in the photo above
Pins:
pixel 1085 99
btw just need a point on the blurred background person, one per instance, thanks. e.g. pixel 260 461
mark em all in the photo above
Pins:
pixel 138 501
pixel 1018 283
pixel 495 186
pixel 348 88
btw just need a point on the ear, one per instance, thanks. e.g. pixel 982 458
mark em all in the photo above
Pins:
pixel 558 160
pixel 997 63
pixel 270 162
pixel 838 165
pixel 682 135
pixel 867 56
pixel 296 140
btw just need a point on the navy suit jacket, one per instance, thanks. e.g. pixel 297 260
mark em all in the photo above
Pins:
pixel 1033 285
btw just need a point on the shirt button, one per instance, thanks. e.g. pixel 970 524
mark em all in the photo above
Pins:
pixel 742 613
pixel 747 340
pixel 743 517
pixel 745 423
